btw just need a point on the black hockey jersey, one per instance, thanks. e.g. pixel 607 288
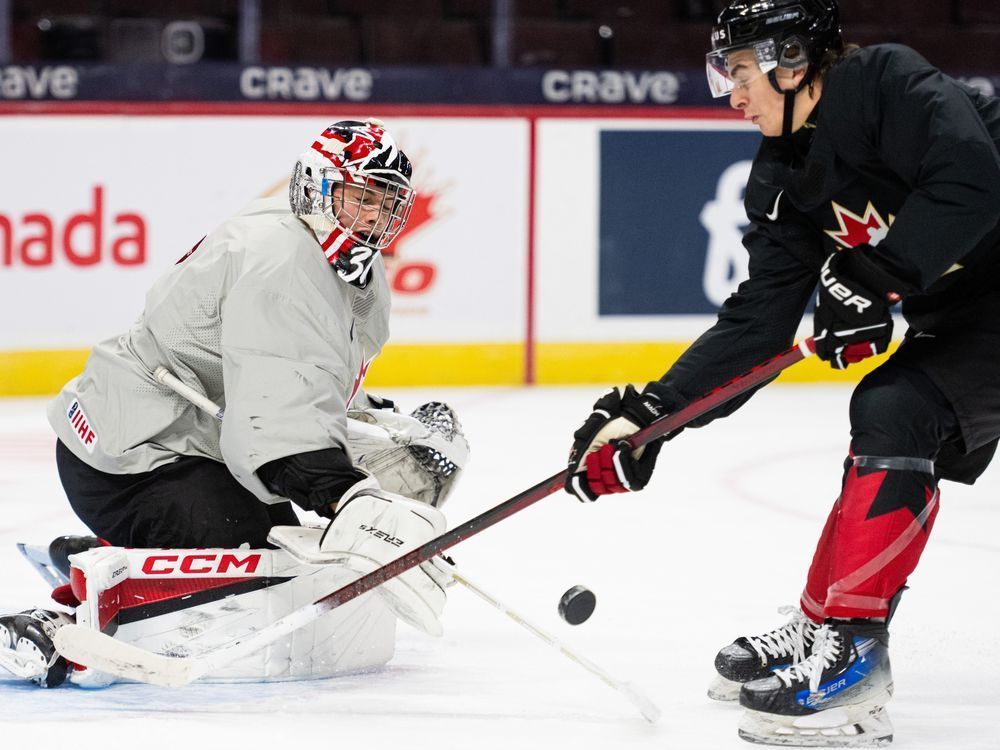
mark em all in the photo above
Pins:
pixel 896 155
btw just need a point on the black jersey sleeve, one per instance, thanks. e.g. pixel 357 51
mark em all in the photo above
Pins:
pixel 923 126
pixel 757 322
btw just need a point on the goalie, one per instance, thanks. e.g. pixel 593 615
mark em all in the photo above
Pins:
pixel 276 315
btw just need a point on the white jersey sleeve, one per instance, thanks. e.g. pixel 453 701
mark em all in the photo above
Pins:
pixel 257 320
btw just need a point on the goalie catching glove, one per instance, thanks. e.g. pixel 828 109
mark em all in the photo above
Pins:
pixel 601 461
pixel 852 320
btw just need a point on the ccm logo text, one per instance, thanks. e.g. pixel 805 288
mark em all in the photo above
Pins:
pixel 200 563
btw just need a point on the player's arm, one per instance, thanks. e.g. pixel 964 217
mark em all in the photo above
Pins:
pixel 925 127
pixel 754 324
pixel 757 322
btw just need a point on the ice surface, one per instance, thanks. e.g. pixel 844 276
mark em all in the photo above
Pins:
pixel 720 539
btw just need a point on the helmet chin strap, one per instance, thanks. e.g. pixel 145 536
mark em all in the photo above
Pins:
pixel 789 95
pixel 786 122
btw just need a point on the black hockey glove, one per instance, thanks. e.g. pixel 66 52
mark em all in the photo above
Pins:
pixel 601 462
pixel 852 319
pixel 315 480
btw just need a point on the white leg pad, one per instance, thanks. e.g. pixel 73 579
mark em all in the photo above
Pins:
pixel 371 529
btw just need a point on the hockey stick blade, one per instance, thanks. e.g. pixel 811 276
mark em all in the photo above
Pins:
pixel 145 666
pixel 645 706
pixel 102 653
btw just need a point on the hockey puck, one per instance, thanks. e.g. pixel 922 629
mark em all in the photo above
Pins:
pixel 577 605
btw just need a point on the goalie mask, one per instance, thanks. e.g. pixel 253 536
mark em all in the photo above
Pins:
pixel 353 189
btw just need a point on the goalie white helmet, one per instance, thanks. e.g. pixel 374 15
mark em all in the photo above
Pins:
pixel 353 188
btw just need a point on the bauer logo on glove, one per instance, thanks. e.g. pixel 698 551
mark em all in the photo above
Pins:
pixel 852 320
pixel 601 461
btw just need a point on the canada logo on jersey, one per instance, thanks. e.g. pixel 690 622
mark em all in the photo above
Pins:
pixel 360 379
pixel 869 228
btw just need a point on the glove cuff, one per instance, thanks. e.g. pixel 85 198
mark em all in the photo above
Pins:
pixel 859 264
pixel 641 408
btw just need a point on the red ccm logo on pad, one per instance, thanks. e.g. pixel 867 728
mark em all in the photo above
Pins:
pixel 201 564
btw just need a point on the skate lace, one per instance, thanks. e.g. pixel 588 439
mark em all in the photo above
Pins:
pixel 825 650
pixel 789 639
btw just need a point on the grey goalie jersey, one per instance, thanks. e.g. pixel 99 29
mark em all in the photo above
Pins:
pixel 257 320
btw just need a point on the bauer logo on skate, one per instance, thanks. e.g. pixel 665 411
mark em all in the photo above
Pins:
pixel 199 564
pixel 81 426
pixel 813 699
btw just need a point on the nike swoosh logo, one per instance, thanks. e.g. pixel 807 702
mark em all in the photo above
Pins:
pixel 774 213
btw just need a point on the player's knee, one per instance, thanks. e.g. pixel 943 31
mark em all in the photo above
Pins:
pixel 894 414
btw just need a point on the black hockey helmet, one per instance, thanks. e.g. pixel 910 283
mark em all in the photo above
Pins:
pixel 789 34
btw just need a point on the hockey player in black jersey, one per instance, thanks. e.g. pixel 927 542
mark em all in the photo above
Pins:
pixel 877 184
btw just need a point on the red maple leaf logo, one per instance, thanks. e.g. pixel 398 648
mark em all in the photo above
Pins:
pixel 360 378
pixel 859 230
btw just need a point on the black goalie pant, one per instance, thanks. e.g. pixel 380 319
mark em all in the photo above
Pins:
pixel 192 502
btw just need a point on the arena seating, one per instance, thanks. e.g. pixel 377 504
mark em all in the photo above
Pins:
pixel 959 35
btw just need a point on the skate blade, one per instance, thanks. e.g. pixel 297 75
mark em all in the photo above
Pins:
pixel 722 689
pixel 850 726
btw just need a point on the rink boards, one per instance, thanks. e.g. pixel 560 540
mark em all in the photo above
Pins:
pixel 542 248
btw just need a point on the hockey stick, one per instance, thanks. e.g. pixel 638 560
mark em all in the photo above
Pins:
pixel 646 707
pixel 102 652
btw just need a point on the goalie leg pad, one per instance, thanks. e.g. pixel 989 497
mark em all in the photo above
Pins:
pixel 375 527
pixel 187 602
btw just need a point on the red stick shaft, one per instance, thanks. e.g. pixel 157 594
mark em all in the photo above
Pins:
pixel 543 489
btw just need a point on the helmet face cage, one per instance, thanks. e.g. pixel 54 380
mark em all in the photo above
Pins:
pixel 370 209
pixel 355 180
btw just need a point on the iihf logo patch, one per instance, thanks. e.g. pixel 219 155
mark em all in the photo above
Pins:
pixel 81 426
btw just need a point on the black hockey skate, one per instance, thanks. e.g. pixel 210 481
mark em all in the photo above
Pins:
pixel 26 648
pixel 754 657
pixel 835 698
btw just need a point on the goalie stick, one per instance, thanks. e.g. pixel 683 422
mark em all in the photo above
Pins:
pixel 650 712
pixel 102 652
